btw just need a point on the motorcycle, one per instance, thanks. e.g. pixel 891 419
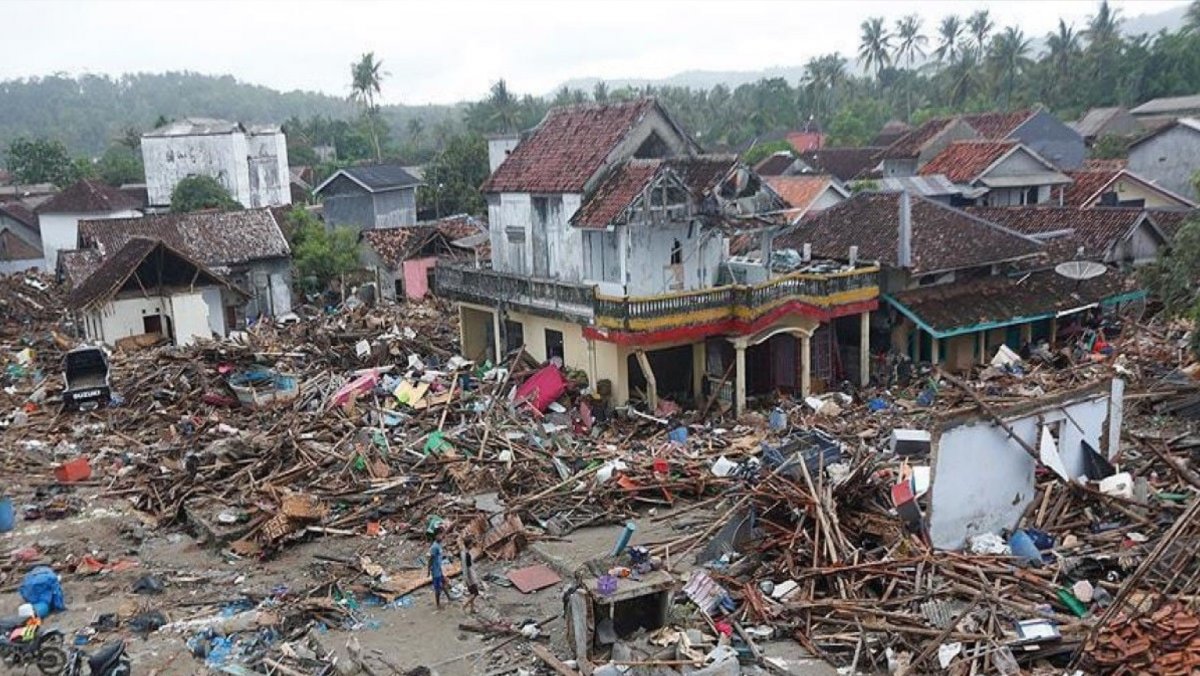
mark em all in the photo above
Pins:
pixel 23 643
pixel 110 660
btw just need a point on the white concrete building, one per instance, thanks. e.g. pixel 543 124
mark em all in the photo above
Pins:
pixel 251 162
pixel 148 288
pixel 59 216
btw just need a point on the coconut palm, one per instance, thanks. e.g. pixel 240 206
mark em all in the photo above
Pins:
pixel 1191 19
pixel 1063 46
pixel 875 45
pixel 822 77
pixel 980 26
pixel 506 110
pixel 366 79
pixel 950 33
pixel 910 42
pixel 1104 26
pixel 1009 54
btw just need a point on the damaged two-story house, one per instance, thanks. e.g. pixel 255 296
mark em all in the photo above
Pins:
pixel 609 239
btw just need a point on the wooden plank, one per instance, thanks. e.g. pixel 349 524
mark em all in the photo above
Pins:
pixel 543 653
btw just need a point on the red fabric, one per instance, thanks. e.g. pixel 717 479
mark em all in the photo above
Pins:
pixel 543 387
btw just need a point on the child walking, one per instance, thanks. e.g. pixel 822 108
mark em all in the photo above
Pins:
pixel 468 572
pixel 435 569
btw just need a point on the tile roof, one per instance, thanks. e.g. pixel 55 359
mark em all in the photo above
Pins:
pixel 910 144
pixel 1097 229
pixel 799 191
pixel 965 161
pixel 396 245
pixel 1168 104
pixel 615 193
pixel 950 308
pixel 88 196
pixel 996 126
pixel 805 141
pixel 20 213
pixel 13 248
pixel 217 239
pixel 702 173
pixel 171 268
pixel 1086 184
pixel 567 148
pixel 776 164
pixel 943 238
pixel 1170 220
pixel 76 264
pixel 846 164
pixel 376 177
pixel 891 132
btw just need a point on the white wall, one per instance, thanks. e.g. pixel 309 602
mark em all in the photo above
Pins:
pixel 983 480
pixel 269 179
pixel 61 231
pixel 511 210
pixel 190 314
pixel 122 317
pixel 216 310
pixel 648 257
pixel 171 159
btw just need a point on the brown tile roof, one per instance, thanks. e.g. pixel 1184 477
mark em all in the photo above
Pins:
pixel 13 248
pixel 1097 229
pixel 88 197
pixel 216 239
pixel 21 214
pixel 847 164
pixel 170 267
pixel 702 173
pixel 943 238
pixel 910 144
pixel 1170 220
pixel 567 148
pixel 1086 184
pixel 615 193
pixel 396 245
pixel 995 126
pixel 953 308
pixel 775 165
pixel 964 161
pixel 799 191
pixel 76 264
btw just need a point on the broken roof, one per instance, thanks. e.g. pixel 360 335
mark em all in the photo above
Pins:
pixel 216 239
pixel 88 196
pixel 943 238
pixel 13 248
pixel 375 177
pixel 963 307
pixel 775 164
pixel 172 267
pixel 194 126
pixel 623 184
pixel 568 147
pixel 396 245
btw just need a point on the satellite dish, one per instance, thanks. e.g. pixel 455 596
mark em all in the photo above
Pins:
pixel 1080 270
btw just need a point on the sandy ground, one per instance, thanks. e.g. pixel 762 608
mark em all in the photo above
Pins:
pixel 199 578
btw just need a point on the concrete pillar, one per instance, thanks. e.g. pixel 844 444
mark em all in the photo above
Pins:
pixel 739 380
pixel 864 349
pixel 1053 331
pixel 934 344
pixel 496 344
pixel 806 367
pixel 699 362
pixel 983 356
pixel 1026 333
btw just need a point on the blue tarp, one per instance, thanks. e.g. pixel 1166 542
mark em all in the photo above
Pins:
pixel 41 586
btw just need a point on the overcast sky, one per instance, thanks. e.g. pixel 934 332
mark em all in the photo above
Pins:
pixel 444 50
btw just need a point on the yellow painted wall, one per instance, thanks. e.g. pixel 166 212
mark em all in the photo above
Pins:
pixel 960 351
pixel 1128 190
pixel 473 332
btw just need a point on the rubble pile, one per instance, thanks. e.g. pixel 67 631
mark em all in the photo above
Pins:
pixel 807 524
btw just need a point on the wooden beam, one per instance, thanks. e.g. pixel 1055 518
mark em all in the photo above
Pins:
pixel 543 653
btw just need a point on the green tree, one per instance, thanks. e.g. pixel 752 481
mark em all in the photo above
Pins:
pixel 1175 278
pixel 320 255
pixel 366 82
pixel 453 178
pixel 910 43
pixel 1191 19
pixel 950 32
pixel 760 151
pixel 980 25
pixel 196 193
pixel 1009 56
pixel 1110 147
pixel 120 165
pixel 42 160
pixel 875 45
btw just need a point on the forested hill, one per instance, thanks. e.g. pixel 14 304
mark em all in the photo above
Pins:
pixel 87 113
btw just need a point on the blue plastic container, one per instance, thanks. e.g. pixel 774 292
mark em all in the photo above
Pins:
pixel 7 519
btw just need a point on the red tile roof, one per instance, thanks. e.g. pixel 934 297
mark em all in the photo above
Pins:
pixel 396 245
pixel 88 197
pixel 805 141
pixel 846 164
pixel 943 238
pixel 798 191
pixel 964 161
pixel 567 148
pixel 1086 185
pixel 1097 230
pixel 616 192
pixel 995 126
pixel 1170 220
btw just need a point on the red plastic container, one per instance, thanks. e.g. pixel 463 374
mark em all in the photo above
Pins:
pixel 70 472
pixel 543 387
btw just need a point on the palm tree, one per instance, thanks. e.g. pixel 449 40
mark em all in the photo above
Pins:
pixel 1063 46
pixel 1010 55
pixel 1191 20
pixel 1103 27
pixel 964 78
pixel 415 127
pixel 506 111
pixel 875 45
pixel 949 34
pixel 366 78
pixel 980 25
pixel 822 77
pixel 910 44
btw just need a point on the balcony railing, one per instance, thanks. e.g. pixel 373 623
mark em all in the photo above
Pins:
pixel 822 291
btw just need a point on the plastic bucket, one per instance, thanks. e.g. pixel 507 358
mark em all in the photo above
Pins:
pixel 6 515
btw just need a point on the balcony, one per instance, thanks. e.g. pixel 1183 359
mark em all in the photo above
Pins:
pixel 726 308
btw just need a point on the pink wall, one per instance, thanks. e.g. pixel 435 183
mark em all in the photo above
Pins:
pixel 416 284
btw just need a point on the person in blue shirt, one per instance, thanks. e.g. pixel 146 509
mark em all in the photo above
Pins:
pixel 435 569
